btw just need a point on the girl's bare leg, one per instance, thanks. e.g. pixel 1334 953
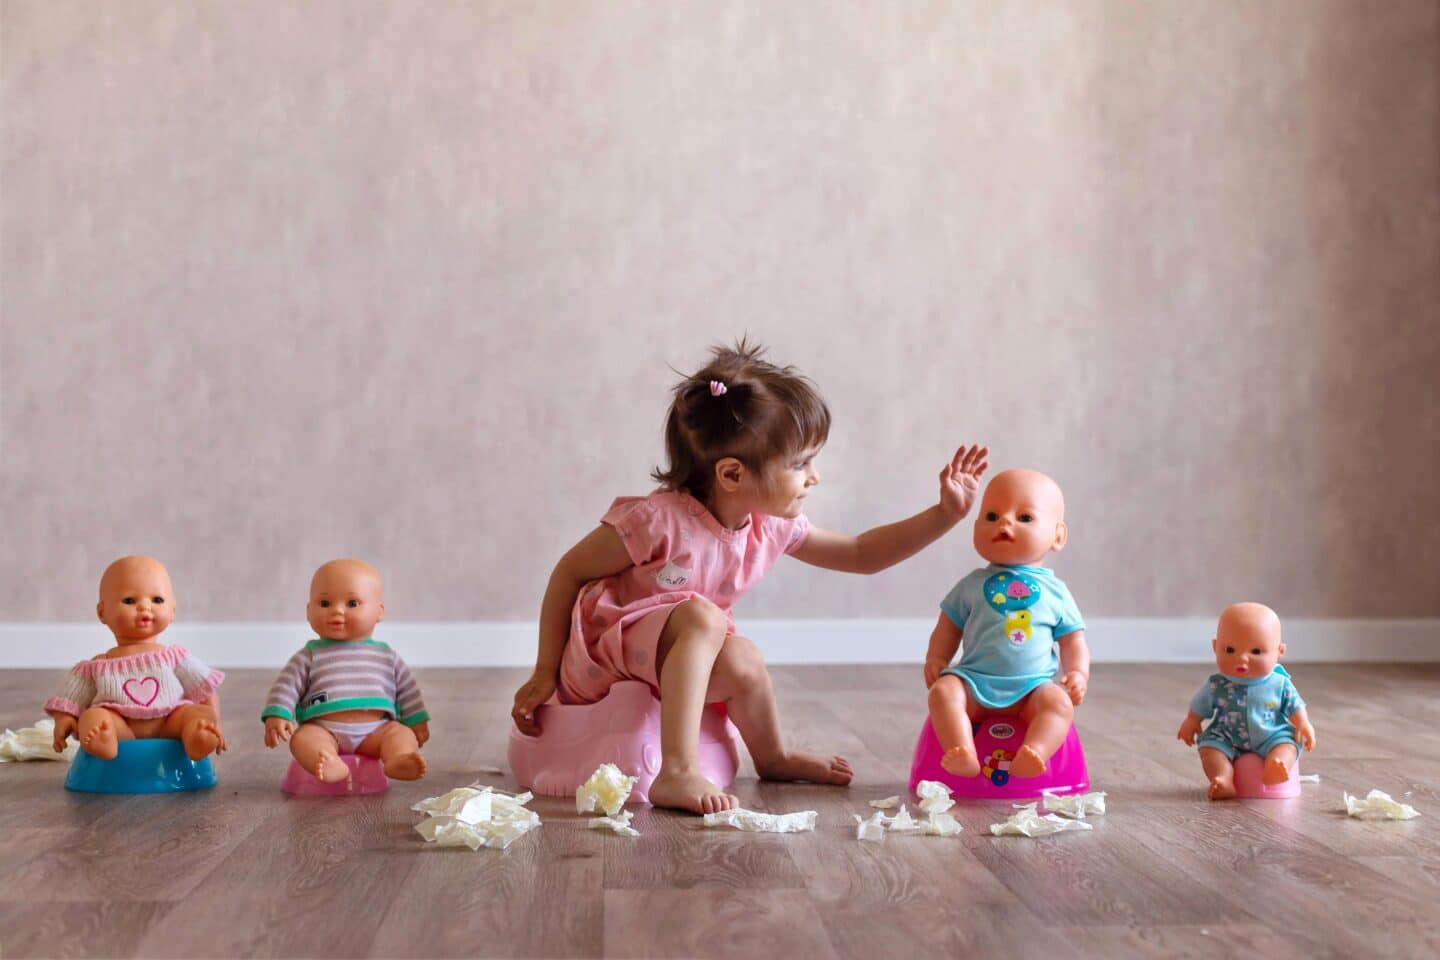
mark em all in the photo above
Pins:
pixel 952 711
pixel 1048 714
pixel 315 749
pixel 690 642
pixel 741 682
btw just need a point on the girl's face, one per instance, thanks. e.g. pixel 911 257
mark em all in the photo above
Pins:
pixel 787 482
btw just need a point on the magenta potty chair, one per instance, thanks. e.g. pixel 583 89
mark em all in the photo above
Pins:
pixel 996 740
pixel 623 729
pixel 1249 785
pixel 367 776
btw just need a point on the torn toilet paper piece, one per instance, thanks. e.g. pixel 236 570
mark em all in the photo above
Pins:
pixel 489 771
pixel 618 824
pixel 606 790
pixel 1027 823
pixel 1379 806
pixel 476 817
pixel 889 803
pixel 934 796
pixel 875 827
pixel 1074 805
pixel 755 822
pixel 1309 778
pixel 35 743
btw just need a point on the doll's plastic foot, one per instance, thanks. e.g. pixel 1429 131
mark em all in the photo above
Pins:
pixel 1222 788
pixel 689 791
pixel 201 738
pixel 1276 771
pixel 1027 763
pixel 329 768
pixel 814 767
pixel 407 766
pixel 101 741
pixel 961 761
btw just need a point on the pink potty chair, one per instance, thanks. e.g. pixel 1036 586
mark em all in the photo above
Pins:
pixel 367 776
pixel 996 740
pixel 1248 783
pixel 623 729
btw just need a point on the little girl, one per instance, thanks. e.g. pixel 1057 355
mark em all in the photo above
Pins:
pixel 647 594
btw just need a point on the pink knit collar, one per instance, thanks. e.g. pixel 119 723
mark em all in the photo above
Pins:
pixel 167 657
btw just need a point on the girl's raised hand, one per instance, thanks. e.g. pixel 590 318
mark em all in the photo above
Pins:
pixel 960 480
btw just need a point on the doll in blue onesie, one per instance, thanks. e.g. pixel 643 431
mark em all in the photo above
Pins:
pixel 1024 640
pixel 1252 704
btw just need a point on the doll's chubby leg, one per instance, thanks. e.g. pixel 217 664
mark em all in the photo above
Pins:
pixel 398 749
pixel 1278 764
pixel 197 727
pixel 952 711
pixel 740 681
pixel 1219 771
pixel 100 732
pixel 315 749
pixel 1048 714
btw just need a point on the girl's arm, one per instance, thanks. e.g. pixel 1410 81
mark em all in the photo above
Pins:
pixel 944 641
pixel 600 554
pixel 882 547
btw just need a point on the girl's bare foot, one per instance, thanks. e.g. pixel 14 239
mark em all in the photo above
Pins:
pixel 201 738
pixel 814 767
pixel 961 761
pixel 689 791
pixel 329 768
pixel 1027 762
pixel 1277 770
pixel 405 766
pixel 101 741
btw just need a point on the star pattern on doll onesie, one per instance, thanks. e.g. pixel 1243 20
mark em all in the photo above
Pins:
pixel 1009 591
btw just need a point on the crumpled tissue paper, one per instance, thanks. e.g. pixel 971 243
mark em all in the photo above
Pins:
pixel 934 796
pixel 476 817
pixel 935 799
pixel 889 803
pixel 618 824
pixel 35 743
pixel 1027 823
pixel 1309 778
pixel 753 821
pixel 1074 805
pixel 606 790
pixel 1378 805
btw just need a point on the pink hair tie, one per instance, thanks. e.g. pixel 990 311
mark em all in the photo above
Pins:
pixel 718 388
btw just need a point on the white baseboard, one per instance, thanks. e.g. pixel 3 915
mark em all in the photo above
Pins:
pixel 489 644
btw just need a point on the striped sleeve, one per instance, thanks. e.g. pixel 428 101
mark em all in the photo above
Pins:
pixel 285 693
pixel 75 694
pixel 407 696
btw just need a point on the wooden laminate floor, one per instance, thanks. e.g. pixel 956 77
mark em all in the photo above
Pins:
pixel 243 871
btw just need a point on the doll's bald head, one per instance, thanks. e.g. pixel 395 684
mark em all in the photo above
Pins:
pixel 1021 518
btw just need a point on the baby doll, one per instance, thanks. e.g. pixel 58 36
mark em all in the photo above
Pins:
pixel 1011 615
pixel 1251 703
pixel 140 688
pixel 347 692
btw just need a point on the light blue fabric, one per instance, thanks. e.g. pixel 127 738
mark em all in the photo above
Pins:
pixel 1247 714
pixel 1011 618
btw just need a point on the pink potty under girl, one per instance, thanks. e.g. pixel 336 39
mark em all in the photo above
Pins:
pixel 623 729
pixel 1249 768
pixel 367 776
pixel 996 740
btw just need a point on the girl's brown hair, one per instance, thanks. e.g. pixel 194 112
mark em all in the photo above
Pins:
pixel 759 412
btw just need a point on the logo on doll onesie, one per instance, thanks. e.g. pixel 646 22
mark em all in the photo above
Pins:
pixel 1013 594
pixel 672 576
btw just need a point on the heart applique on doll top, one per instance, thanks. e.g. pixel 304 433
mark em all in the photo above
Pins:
pixel 142 691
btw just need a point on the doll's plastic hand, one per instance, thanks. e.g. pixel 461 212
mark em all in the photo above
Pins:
pixel 539 688
pixel 933 669
pixel 960 480
pixel 277 730
pixel 1188 731
pixel 1075 684
pixel 1305 733
pixel 422 732
pixel 64 726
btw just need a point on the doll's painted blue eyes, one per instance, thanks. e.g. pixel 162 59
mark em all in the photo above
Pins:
pixel 1229 649
pixel 157 599
pixel 1026 518
pixel 992 516
pixel 1255 652
pixel 130 601
pixel 324 603
pixel 352 603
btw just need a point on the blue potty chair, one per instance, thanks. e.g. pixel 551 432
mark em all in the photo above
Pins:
pixel 141 766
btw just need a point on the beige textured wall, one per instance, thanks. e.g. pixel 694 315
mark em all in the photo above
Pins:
pixel 288 281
